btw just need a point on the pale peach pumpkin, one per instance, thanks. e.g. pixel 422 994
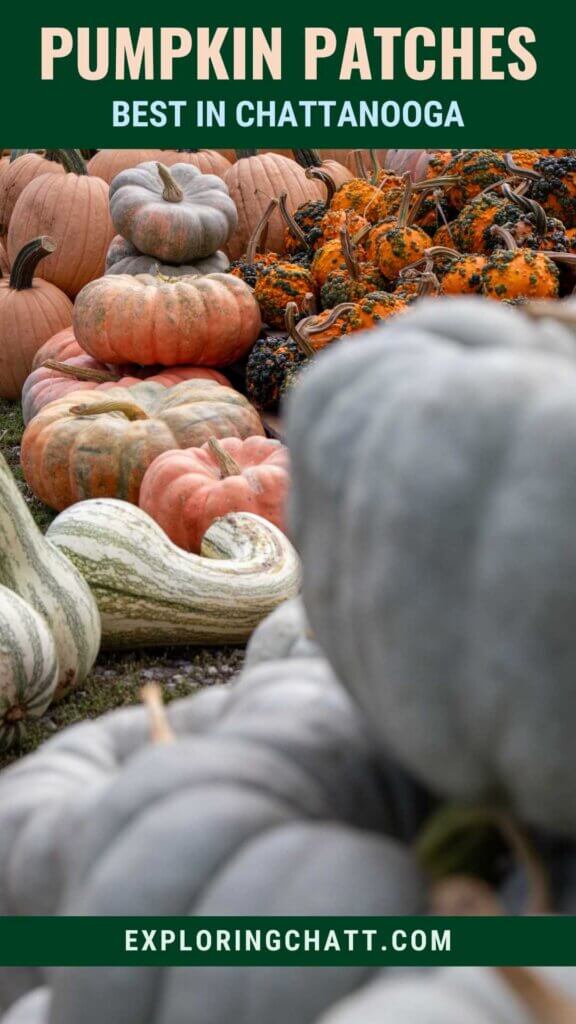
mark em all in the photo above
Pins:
pixel 185 491
pixel 72 209
pixel 21 171
pixel 206 321
pixel 107 163
pixel 208 161
pixel 31 311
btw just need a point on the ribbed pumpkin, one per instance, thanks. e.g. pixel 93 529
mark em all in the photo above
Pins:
pixel 207 321
pixel 208 161
pixel 61 346
pixel 177 215
pixel 107 163
pixel 90 445
pixel 24 167
pixel 4 265
pixel 256 178
pixel 31 311
pixel 185 491
pixel 124 258
pixel 55 378
pixel 28 666
pixel 73 209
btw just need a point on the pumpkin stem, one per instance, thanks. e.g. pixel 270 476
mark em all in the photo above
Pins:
pixel 172 192
pixel 348 254
pixel 506 236
pixel 520 172
pixel 442 250
pixel 228 466
pixel 529 206
pixel 449 836
pixel 321 174
pixel 160 729
pixel 257 234
pixel 71 159
pixel 22 273
pixel 130 410
pixel 402 219
pixel 80 372
pixel 547 1003
pixel 242 153
pixel 307 157
pixel 291 314
pixel 292 225
pixel 309 304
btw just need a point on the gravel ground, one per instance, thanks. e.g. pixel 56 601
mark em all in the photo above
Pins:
pixel 117 678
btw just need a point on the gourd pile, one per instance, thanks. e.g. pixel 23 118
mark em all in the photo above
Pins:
pixel 400 740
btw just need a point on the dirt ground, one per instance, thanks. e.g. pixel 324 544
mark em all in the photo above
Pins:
pixel 117 678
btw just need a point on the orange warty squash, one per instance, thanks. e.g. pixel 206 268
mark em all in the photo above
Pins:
pixel 512 273
pixel 107 163
pixel 279 284
pixel 255 179
pixel 25 168
pixel 205 321
pixel 185 491
pixel 54 379
pixel 73 209
pixel 89 445
pixel 393 245
pixel 31 311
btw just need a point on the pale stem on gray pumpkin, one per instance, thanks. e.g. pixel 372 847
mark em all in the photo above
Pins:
pixel 80 372
pixel 321 174
pixel 22 273
pixel 129 409
pixel 227 465
pixel 290 222
pixel 172 192
pixel 257 234
pixel 160 728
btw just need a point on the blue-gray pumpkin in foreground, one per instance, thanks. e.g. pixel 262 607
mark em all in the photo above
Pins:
pixel 434 507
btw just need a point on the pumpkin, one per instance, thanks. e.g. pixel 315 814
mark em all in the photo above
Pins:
pixel 150 592
pixel 207 321
pixel 88 445
pixel 471 228
pixel 31 311
pixel 124 258
pixel 28 666
pixel 54 379
pixel 272 809
pixel 332 223
pixel 373 308
pixel 33 1008
pixel 312 160
pixel 60 346
pixel 4 265
pixel 394 245
pixel 207 161
pixel 285 633
pixel 513 272
pixel 50 584
pixel 463 995
pixel 73 209
pixel 24 169
pixel 414 161
pixel 353 282
pixel 553 185
pixel 435 548
pixel 108 163
pixel 277 285
pixel 178 215
pixel 255 179
pixel 478 170
pixel 462 274
pixel 272 357
pixel 185 491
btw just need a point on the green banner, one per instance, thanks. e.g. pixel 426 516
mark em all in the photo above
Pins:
pixel 421 75
pixel 293 941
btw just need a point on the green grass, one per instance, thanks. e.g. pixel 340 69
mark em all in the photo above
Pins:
pixel 116 679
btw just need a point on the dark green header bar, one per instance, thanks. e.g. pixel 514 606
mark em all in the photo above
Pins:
pixel 294 941
pixel 385 84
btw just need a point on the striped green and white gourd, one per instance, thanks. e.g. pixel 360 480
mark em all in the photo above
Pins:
pixel 28 666
pixel 151 592
pixel 43 577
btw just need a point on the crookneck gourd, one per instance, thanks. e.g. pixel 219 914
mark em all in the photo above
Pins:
pixel 150 592
pixel 46 579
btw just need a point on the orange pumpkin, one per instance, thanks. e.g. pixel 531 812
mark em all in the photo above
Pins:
pixel 396 244
pixel 87 445
pixel 279 284
pixel 107 163
pixel 208 161
pixel 61 346
pixel 461 273
pixel 73 209
pixel 4 265
pixel 31 311
pixel 374 308
pixel 332 223
pixel 350 284
pixel 23 169
pixel 205 321
pixel 477 169
pixel 512 273
pixel 252 263
pixel 255 179
pixel 54 378
pixel 185 491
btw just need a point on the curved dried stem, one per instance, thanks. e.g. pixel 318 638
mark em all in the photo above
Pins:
pixel 290 222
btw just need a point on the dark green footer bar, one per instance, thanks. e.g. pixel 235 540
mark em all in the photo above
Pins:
pixel 288 941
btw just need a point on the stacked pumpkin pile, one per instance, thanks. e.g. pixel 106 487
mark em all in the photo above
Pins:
pixel 434 505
